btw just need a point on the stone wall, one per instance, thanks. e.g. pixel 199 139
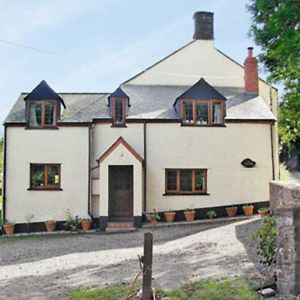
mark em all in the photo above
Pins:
pixel 282 201
pixel 282 193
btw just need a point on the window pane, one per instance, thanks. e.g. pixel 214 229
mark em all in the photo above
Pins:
pixel 35 114
pixel 53 175
pixel 188 112
pixel 37 175
pixel 217 113
pixel 171 180
pixel 199 180
pixel 201 113
pixel 119 111
pixel 49 113
pixel 185 180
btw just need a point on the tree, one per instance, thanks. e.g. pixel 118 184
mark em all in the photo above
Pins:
pixel 276 28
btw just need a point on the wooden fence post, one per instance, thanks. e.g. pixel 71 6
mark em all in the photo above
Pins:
pixel 147 266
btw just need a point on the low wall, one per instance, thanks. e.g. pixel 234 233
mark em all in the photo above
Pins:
pixel 282 201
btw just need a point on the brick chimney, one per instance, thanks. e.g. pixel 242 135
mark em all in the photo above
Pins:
pixel 204 25
pixel 250 73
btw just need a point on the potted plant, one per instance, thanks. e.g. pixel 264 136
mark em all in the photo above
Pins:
pixel 231 211
pixel 73 222
pixel 86 223
pixel 248 209
pixel 153 217
pixel 189 214
pixel 170 216
pixel 9 227
pixel 211 214
pixel 263 211
pixel 50 225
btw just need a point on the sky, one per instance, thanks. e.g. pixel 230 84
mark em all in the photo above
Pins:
pixel 95 45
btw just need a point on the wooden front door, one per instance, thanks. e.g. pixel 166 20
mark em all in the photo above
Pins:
pixel 120 192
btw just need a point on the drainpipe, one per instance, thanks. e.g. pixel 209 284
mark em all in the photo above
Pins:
pixel 272 140
pixel 89 175
pixel 145 165
pixel 4 174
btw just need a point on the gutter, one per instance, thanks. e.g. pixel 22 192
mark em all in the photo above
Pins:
pixel 145 166
pixel 4 174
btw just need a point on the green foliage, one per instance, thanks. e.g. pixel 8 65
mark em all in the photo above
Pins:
pixel 211 213
pixel 266 236
pixel 284 173
pixel 204 290
pixel 276 28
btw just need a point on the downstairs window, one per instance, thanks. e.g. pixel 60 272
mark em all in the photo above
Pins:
pixel 186 181
pixel 45 176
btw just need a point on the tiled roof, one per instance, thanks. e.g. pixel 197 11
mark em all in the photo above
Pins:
pixel 147 102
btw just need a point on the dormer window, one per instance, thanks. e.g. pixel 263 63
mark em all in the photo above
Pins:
pixel 42 113
pixel 43 107
pixel 202 112
pixel 119 111
pixel 118 102
pixel 201 105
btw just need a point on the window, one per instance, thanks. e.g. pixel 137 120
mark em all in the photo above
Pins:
pixel 42 114
pixel 186 181
pixel 202 112
pixel 119 111
pixel 45 176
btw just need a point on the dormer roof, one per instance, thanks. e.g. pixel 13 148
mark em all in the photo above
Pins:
pixel 44 92
pixel 201 90
pixel 118 93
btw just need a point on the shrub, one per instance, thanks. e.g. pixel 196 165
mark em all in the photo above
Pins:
pixel 266 237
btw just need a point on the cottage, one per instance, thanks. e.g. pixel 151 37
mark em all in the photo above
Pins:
pixel 194 130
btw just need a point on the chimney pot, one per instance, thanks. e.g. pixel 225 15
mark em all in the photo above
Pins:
pixel 251 73
pixel 204 25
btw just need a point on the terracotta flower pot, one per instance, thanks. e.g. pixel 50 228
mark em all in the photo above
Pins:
pixel 170 216
pixel 264 212
pixel 153 221
pixel 231 211
pixel 190 215
pixel 248 210
pixel 9 228
pixel 86 225
pixel 50 225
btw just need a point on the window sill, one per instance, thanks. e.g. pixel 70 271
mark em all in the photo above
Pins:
pixel 186 194
pixel 44 189
pixel 118 126
pixel 202 125
pixel 41 128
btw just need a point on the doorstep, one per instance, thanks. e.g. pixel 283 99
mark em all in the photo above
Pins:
pixel 203 221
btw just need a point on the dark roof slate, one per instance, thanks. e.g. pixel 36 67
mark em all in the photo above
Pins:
pixel 201 90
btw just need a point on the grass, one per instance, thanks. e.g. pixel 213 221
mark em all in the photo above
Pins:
pixel 205 290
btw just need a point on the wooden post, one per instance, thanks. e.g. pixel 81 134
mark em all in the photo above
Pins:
pixel 147 266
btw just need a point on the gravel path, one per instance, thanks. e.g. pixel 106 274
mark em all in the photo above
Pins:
pixel 46 267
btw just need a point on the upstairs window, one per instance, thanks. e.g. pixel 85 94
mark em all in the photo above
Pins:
pixel 202 112
pixel 45 176
pixel 186 181
pixel 42 114
pixel 119 111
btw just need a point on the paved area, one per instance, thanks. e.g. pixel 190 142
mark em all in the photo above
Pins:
pixel 47 267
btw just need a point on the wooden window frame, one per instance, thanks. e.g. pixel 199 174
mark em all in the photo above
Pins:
pixel 210 112
pixel 194 191
pixel 43 102
pixel 114 112
pixel 46 186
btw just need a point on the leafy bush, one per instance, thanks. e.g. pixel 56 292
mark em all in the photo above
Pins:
pixel 266 236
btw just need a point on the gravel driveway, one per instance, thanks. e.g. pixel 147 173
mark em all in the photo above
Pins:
pixel 46 267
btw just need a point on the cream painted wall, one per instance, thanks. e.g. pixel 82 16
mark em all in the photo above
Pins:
pixel 67 146
pixel 198 59
pixel 121 156
pixel 221 151
pixel 104 136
